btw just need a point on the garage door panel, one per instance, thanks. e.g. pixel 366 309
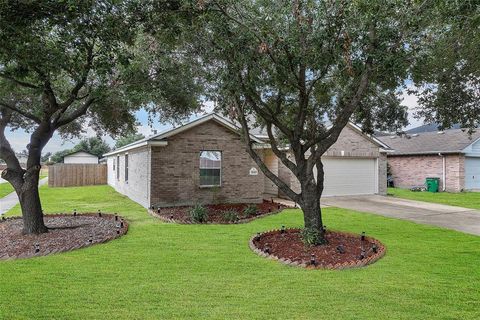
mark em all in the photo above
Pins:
pixel 349 176
pixel 472 173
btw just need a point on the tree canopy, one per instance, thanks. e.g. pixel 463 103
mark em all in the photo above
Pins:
pixel 123 141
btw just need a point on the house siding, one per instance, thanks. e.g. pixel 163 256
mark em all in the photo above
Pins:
pixel 138 184
pixel 175 169
pixel 410 171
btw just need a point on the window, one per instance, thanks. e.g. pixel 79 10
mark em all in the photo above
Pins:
pixel 126 167
pixel 210 168
pixel 118 167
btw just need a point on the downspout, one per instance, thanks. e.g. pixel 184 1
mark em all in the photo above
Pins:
pixel 444 175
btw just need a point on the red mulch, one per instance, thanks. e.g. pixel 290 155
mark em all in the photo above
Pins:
pixel 216 212
pixel 66 232
pixel 289 245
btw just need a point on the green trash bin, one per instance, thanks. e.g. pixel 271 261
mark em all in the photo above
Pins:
pixel 432 184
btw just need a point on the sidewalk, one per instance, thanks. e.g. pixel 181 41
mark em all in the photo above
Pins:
pixel 9 201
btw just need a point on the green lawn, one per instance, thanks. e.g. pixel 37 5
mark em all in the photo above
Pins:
pixel 461 199
pixel 5 188
pixel 161 271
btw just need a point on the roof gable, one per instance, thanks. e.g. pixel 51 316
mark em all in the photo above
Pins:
pixel 449 141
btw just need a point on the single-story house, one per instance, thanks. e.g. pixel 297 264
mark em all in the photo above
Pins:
pixel 453 156
pixel 205 161
pixel 80 157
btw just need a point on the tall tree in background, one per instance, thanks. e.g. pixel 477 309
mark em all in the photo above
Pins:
pixel 304 68
pixel 93 145
pixel 65 65
pixel 447 70
pixel 123 141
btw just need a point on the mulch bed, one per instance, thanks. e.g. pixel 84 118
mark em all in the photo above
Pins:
pixel 66 232
pixel 343 250
pixel 216 212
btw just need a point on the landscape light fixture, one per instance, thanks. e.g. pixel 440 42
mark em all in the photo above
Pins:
pixel 374 248
pixel 74 212
pixel 121 224
pixel 283 229
pixel 313 261
pixel 267 249
pixel 158 210
pixel 171 216
pixel 363 236
pixel 90 240
pixel 99 213
pixel 116 217
pixel 37 248
pixel 362 255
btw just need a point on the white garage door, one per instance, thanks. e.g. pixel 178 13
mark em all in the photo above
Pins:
pixel 349 176
pixel 472 173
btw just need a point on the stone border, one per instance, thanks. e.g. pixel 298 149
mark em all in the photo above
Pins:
pixel 67 248
pixel 154 213
pixel 338 266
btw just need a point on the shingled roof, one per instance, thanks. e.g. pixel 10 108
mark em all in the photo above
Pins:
pixel 449 141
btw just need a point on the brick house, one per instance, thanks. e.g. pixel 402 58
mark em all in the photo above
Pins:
pixel 205 161
pixel 453 156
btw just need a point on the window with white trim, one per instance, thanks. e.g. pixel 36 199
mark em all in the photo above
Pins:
pixel 126 167
pixel 210 168
pixel 118 167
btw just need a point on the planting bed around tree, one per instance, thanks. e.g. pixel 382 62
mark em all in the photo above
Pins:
pixel 218 213
pixel 65 233
pixel 342 250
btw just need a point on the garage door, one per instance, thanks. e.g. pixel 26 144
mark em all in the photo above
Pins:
pixel 472 173
pixel 349 176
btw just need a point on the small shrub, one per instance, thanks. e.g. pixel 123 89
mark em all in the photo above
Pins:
pixel 312 237
pixel 199 214
pixel 249 211
pixel 230 215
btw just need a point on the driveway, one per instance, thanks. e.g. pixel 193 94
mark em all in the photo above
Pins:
pixel 456 218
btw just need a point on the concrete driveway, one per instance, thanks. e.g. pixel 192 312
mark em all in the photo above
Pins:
pixel 456 218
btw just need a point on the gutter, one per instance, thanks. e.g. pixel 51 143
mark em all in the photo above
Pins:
pixel 444 175
pixel 136 146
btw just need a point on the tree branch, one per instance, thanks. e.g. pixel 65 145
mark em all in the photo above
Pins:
pixel 82 110
pixel 19 82
pixel 22 112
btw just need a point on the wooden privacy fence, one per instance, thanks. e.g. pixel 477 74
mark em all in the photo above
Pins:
pixel 70 175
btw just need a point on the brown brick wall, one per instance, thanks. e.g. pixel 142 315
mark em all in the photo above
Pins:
pixel 175 168
pixel 353 144
pixel 409 171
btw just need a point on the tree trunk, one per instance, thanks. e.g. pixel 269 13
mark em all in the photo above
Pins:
pixel 312 212
pixel 29 198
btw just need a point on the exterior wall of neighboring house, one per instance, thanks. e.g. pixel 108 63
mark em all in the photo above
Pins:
pixel 410 171
pixel 80 157
pixel 137 187
pixel 175 169
pixel 353 145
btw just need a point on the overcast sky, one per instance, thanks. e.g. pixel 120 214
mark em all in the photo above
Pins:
pixel 19 139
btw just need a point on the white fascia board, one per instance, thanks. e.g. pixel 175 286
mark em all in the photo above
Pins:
pixel 136 146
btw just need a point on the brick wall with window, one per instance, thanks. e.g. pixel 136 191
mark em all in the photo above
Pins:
pixel 180 176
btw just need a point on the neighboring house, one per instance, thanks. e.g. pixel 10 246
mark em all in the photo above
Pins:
pixel 451 155
pixel 80 157
pixel 205 161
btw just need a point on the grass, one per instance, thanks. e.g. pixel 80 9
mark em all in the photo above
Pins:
pixel 461 199
pixel 5 188
pixel 163 271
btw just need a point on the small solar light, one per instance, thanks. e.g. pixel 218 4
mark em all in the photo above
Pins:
pixel 283 229
pixel 279 206
pixel 121 224
pixel 313 261
pixel 340 249
pixel 267 249
pixel 171 216
pixel 4 219
pixel 153 208
pixel 269 209
pixel 363 236
pixel 158 210
pixel 258 236
pixel 272 200
pixel 99 213
pixel 362 255
pixel 118 228
pixel 90 240
pixel 116 217
pixel 37 248
pixel 74 212
pixel 374 248
pixel 324 228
